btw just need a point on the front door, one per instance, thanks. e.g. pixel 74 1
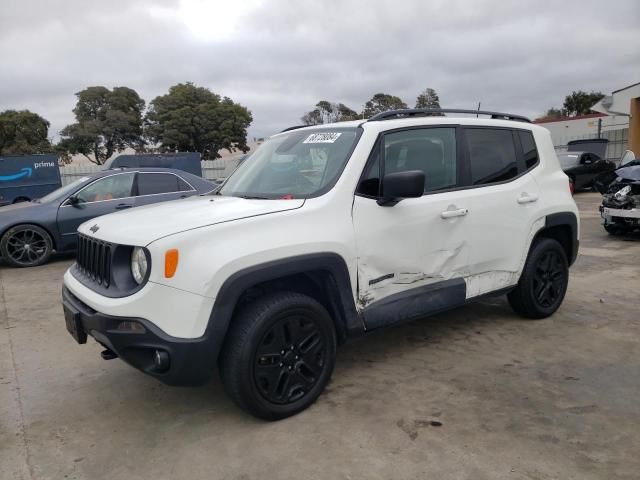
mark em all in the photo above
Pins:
pixel 105 195
pixel 412 256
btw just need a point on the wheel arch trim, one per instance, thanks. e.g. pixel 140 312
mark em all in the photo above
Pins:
pixel 238 283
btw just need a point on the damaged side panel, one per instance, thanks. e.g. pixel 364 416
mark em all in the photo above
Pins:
pixel 380 277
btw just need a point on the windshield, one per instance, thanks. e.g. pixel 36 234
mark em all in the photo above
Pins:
pixel 297 164
pixel 568 159
pixel 63 191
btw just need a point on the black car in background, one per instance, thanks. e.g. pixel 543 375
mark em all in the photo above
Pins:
pixel 31 231
pixel 583 167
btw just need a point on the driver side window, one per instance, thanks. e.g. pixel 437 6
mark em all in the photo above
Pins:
pixel 430 150
pixel 108 188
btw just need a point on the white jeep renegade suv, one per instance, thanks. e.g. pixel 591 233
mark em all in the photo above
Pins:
pixel 323 234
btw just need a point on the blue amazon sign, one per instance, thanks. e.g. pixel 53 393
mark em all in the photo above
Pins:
pixel 24 173
pixel 27 177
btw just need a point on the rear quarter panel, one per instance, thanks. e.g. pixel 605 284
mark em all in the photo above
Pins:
pixel 555 194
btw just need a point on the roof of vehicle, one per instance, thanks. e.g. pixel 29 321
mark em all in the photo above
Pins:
pixel 398 119
pixel 203 183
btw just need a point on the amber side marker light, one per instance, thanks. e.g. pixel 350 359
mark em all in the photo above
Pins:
pixel 170 262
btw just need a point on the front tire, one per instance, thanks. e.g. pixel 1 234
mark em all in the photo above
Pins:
pixel 543 282
pixel 613 230
pixel 26 246
pixel 278 355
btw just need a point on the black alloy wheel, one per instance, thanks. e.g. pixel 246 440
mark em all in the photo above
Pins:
pixel 278 354
pixel 289 360
pixel 26 246
pixel 549 279
pixel 543 282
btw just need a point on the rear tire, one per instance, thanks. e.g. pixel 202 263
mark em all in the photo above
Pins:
pixel 543 282
pixel 278 355
pixel 26 246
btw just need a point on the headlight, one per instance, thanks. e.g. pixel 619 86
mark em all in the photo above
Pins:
pixel 623 192
pixel 139 264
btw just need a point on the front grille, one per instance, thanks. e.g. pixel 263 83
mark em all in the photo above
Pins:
pixel 94 260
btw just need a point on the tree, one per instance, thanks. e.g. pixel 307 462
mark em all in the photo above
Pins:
pixel 23 132
pixel 428 99
pixel 194 119
pixel 552 114
pixel 381 102
pixel 580 103
pixel 328 112
pixel 107 121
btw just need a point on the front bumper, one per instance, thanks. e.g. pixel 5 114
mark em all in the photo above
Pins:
pixel 190 361
pixel 620 217
pixel 621 212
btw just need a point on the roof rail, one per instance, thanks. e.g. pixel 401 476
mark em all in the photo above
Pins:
pixel 417 112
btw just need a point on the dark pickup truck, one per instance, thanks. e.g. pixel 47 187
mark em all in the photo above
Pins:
pixel 27 177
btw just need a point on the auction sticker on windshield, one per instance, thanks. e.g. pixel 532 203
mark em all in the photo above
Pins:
pixel 322 137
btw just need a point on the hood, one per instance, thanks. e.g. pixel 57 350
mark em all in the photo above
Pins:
pixel 13 207
pixel 143 225
pixel 22 212
pixel 611 182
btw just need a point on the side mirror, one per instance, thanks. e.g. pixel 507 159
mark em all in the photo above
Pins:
pixel 399 185
pixel 628 157
pixel 586 161
pixel 74 201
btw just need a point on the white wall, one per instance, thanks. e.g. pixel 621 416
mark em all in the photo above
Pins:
pixel 565 130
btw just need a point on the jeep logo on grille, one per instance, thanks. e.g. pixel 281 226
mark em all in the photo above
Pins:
pixel 95 228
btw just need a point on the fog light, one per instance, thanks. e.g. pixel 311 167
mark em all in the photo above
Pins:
pixel 161 360
pixel 131 327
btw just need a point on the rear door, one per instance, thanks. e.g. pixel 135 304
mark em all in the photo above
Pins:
pixel 105 195
pixel 502 197
pixel 153 187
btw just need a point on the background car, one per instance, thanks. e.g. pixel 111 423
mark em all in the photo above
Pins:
pixel 31 231
pixel 583 167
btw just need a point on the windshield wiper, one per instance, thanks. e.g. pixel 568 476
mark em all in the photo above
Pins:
pixel 251 197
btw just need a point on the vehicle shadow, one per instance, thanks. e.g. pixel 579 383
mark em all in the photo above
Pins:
pixel 478 326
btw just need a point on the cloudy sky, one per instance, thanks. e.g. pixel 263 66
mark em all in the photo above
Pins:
pixel 278 58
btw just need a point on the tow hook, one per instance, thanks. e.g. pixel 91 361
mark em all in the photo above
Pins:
pixel 108 354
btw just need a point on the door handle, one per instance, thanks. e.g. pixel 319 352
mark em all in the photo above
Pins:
pixel 122 206
pixel 459 212
pixel 526 198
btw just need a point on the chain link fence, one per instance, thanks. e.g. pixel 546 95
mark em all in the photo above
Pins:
pixel 618 142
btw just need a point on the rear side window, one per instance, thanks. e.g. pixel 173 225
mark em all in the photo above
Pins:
pixel 528 149
pixel 492 155
pixel 153 183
